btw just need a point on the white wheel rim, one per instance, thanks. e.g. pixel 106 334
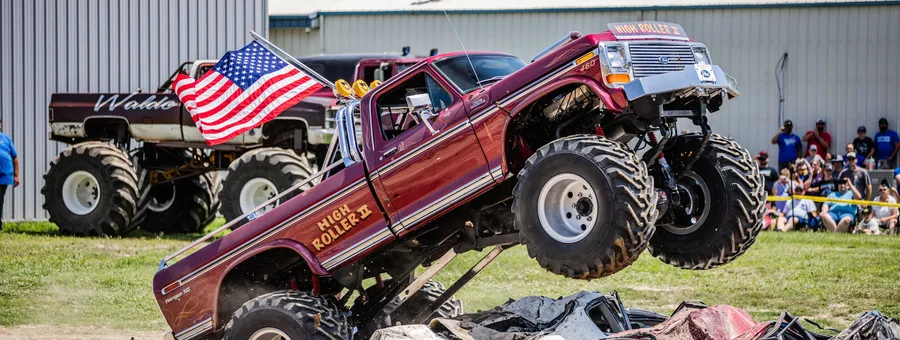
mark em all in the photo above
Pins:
pixel 156 206
pixel 688 202
pixel 256 192
pixel 269 333
pixel 567 208
pixel 81 192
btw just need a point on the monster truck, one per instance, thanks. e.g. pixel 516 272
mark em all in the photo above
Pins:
pixel 170 182
pixel 464 152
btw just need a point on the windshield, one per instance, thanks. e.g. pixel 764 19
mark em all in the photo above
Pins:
pixel 489 67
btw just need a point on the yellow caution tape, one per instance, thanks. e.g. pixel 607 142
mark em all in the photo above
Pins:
pixel 821 199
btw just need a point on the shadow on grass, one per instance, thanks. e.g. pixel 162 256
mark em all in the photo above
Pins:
pixel 50 229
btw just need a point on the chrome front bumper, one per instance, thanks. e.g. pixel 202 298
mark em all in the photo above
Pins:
pixel 690 80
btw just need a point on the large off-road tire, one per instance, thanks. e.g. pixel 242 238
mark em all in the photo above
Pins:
pixel 724 209
pixel 289 314
pixel 183 206
pixel 92 189
pixel 259 175
pixel 585 206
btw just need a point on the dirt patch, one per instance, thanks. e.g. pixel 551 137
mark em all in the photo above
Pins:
pixel 43 332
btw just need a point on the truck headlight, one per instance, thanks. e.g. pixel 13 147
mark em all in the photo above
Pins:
pixel 701 55
pixel 616 56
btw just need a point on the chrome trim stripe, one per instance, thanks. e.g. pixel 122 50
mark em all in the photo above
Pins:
pixel 446 201
pixel 423 147
pixel 360 247
pixel 261 237
pixel 195 330
pixel 497 172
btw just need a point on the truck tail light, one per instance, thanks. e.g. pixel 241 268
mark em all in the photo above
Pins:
pixel 618 78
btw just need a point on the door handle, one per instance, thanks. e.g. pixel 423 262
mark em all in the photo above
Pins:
pixel 389 152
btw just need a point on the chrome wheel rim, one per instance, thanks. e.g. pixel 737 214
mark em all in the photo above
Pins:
pixel 81 192
pixel 269 333
pixel 567 208
pixel 256 192
pixel 162 197
pixel 695 204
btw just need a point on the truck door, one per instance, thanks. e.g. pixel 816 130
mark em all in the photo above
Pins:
pixel 422 172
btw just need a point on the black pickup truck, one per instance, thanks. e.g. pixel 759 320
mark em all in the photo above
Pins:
pixel 137 159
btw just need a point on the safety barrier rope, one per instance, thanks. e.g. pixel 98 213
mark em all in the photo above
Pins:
pixel 821 199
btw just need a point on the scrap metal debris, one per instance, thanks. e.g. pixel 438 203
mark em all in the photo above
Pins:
pixel 590 316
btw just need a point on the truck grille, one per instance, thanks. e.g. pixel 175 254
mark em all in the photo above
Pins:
pixel 655 58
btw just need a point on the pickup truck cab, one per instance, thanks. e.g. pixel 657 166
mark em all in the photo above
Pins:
pixel 464 151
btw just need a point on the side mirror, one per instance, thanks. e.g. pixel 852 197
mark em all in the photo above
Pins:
pixel 420 106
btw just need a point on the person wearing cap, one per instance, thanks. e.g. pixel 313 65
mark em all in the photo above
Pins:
pixel 769 175
pixel 814 155
pixel 859 177
pixel 818 137
pixel 868 224
pixel 850 148
pixel 887 143
pixel 839 216
pixel 865 146
pixel 825 186
pixel 886 216
pixel 795 212
pixel 790 147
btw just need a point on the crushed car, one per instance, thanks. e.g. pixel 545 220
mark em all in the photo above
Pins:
pixel 592 316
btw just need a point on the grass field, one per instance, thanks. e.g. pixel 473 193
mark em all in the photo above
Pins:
pixel 47 279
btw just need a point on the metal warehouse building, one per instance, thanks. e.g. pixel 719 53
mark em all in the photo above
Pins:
pixel 98 46
pixel 843 57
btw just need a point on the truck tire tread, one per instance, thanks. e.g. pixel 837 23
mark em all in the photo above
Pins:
pixel 744 203
pixel 633 197
pixel 319 318
pixel 110 164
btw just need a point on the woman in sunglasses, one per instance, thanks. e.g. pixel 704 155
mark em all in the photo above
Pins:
pixel 886 216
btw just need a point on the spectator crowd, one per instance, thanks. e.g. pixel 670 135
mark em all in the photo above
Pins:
pixel 806 168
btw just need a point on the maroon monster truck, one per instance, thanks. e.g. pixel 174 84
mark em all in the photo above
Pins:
pixel 104 185
pixel 463 152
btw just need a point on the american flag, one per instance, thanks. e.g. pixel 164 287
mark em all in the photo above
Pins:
pixel 245 89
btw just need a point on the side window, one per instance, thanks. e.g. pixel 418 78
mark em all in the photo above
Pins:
pixel 202 69
pixel 393 111
pixel 376 72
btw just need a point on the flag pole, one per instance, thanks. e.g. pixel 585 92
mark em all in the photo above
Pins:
pixel 288 58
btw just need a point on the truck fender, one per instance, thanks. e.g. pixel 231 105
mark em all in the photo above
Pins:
pixel 591 83
pixel 314 266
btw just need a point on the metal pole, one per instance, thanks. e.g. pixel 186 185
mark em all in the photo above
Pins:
pixel 290 59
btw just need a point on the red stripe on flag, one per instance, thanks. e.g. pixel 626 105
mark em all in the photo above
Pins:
pixel 272 113
pixel 218 77
pixel 277 94
pixel 248 98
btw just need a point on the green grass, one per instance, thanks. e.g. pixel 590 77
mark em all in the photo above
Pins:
pixel 50 279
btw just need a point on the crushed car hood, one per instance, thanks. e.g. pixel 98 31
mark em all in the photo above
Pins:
pixel 590 315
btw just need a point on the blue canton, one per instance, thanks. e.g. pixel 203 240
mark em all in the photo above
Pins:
pixel 245 66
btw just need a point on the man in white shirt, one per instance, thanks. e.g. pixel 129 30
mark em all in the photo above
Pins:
pixel 886 216
pixel 796 212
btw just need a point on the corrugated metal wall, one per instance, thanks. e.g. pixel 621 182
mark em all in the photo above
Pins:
pixel 98 46
pixel 843 61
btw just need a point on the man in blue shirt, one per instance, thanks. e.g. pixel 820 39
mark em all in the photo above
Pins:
pixel 887 143
pixel 9 167
pixel 838 216
pixel 790 147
